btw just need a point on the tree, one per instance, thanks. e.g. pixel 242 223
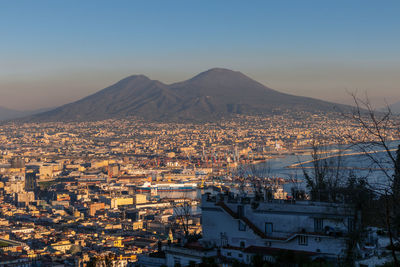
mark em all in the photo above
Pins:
pixel 326 176
pixel 258 261
pixel 108 260
pixel 258 176
pixel 373 137
pixel 183 213
pixel 396 192
pixel 208 262
pixel 396 176
pixel 75 249
pixel 93 262
pixel 374 134
pixel 357 193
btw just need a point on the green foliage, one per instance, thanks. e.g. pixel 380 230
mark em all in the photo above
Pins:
pixel 74 249
pixel 289 259
pixel 396 192
pixel 208 262
pixel 257 260
pixel 108 260
pixel 4 244
pixel 396 175
pixel 298 194
pixel 92 262
pixel 46 185
pixel 193 237
pixel 387 264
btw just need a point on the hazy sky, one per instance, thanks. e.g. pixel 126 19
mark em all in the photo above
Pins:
pixel 54 52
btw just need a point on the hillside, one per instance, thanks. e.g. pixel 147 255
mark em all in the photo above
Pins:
pixel 395 108
pixel 211 95
pixel 10 114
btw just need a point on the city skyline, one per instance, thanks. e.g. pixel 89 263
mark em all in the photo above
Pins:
pixel 199 133
pixel 56 53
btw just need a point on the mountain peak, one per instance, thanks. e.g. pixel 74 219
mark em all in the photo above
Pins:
pixel 135 82
pixel 137 77
pixel 217 73
pixel 220 70
pixel 211 95
pixel 221 82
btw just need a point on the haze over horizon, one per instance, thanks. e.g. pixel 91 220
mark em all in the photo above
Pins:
pixel 53 53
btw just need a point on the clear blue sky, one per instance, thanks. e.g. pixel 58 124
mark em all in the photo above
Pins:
pixel 53 52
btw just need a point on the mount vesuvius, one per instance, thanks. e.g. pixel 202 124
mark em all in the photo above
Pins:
pixel 211 95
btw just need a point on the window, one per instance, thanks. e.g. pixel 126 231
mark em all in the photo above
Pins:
pixel 224 239
pixel 229 254
pixel 318 224
pixel 240 255
pixel 269 228
pixel 242 244
pixel 242 226
pixel 303 240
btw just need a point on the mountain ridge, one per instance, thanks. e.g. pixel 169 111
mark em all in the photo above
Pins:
pixel 210 95
pixel 395 108
pixel 11 114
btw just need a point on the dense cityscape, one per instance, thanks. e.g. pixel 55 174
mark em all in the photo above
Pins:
pixel 132 193
pixel 199 133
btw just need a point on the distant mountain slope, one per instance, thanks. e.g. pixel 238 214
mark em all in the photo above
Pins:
pixel 6 113
pixel 395 108
pixel 210 95
pixel 136 95
pixel 10 114
pixel 220 92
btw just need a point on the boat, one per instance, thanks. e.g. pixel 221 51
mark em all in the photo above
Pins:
pixel 154 188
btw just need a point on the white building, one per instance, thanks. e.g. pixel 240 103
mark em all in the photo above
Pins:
pixel 174 254
pixel 184 256
pixel 242 227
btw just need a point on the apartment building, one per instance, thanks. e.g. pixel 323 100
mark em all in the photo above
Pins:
pixel 246 227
